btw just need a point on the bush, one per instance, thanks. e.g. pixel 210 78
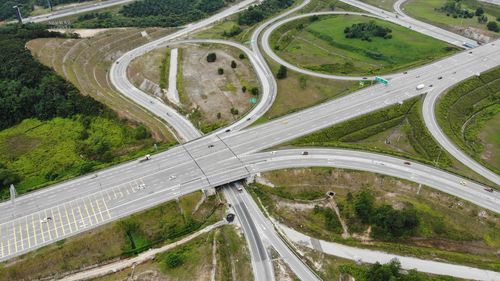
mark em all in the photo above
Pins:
pixel 493 26
pixel 233 64
pixel 282 72
pixel 244 89
pixel 235 30
pixel 220 71
pixel 389 223
pixel 211 57
pixel 140 133
pixel 234 111
pixel 173 260
pixel 7 177
pixel 254 91
pixel 363 205
pixel 241 56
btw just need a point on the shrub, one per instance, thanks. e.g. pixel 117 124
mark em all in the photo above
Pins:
pixel 254 91
pixel 173 260
pixel 233 64
pixel 282 72
pixel 211 57
pixel 493 26
pixel 241 56
pixel 220 71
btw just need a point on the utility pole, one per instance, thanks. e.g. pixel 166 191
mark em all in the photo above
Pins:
pixel 50 5
pixel 18 14
pixel 12 193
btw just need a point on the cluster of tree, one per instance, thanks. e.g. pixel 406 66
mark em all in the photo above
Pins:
pixel 163 13
pixel 365 31
pixel 7 177
pixel 331 220
pixel 387 223
pixel 29 89
pixel 392 271
pixel 454 9
pixel 257 13
pixel 27 6
pixel 235 30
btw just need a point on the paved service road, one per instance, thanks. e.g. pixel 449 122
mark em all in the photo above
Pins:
pixel 372 256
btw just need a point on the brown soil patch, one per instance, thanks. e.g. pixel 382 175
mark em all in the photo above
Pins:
pixel 213 93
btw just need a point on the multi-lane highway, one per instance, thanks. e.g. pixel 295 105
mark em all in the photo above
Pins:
pixel 71 10
pixel 223 157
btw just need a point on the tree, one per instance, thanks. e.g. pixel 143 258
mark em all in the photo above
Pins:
pixel 254 91
pixel 244 89
pixel 141 132
pixel 7 177
pixel 479 11
pixel 282 72
pixel 234 111
pixel 386 272
pixel 493 26
pixel 241 56
pixel 363 205
pixel 482 19
pixel 173 259
pixel 233 64
pixel 211 57
pixel 220 71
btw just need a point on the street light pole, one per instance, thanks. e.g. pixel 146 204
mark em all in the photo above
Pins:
pixel 18 14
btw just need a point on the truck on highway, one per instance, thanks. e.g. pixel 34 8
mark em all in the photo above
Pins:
pixel 420 86
pixel 146 158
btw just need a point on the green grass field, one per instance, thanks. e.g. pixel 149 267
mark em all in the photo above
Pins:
pixel 321 46
pixel 425 10
pixel 45 152
pixel 383 4
pixel 450 228
pixel 469 114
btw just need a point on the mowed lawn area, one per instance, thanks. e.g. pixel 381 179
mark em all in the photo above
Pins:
pixel 425 10
pixel 321 45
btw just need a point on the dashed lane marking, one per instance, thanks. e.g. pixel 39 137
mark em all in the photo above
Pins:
pixel 61 221
pixel 41 228
pixel 28 233
pixel 87 211
pixel 99 209
pixel 107 209
pixel 15 237
pixel 34 228
pixel 74 217
pixel 93 211
pixel 48 223
pixel 55 224
pixel 21 236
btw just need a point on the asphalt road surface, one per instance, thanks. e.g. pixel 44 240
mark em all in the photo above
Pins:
pixel 75 9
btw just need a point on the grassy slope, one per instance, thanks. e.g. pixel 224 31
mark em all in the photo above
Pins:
pixel 40 150
pixel 425 11
pixel 473 106
pixel 161 224
pixel 450 228
pixel 348 56
pixel 383 4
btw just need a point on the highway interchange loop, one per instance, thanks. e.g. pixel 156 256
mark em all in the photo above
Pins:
pixel 235 156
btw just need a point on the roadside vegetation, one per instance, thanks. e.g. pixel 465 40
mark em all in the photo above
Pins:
pixel 467 17
pixel 375 211
pixel 354 45
pixel 149 72
pixel 48 130
pixel 86 62
pixel 127 237
pixel 397 130
pixel 469 115
pixel 166 13
pixel 387 5
pixel 334 268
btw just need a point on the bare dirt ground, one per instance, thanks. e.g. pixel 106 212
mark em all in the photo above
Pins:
pixel 210 92
pixel 86 62
pixel 144 72
pixel 84 33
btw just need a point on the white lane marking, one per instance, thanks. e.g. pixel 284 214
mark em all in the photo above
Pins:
pixel 28 233
pixel 15 237
pixel 48 223
pixel 61 221
pixel 34 228
pixel 87 211
pixel 54 222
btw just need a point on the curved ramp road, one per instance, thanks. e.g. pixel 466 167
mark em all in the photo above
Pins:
pixel 371 256
pixel 118 75
pixel 75 9
pixel 430 120
pixel 376 163
pixel 269 51
pixel 414 24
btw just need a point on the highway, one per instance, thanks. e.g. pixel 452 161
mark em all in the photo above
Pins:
pixel 118 75
pixel 84 203
pixel 265 229
pixel 74 10
pixel 262 263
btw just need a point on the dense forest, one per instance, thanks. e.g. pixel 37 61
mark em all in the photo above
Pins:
pixel 27 6
pixel 161 13
pixel 259 12
pixel 29 89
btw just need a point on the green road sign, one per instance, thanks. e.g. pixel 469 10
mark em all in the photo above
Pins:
pixel 253 100
pixel 381 80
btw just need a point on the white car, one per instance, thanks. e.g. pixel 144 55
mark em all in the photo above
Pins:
pixel 172 177
pixel 45 220
pixel 142 186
